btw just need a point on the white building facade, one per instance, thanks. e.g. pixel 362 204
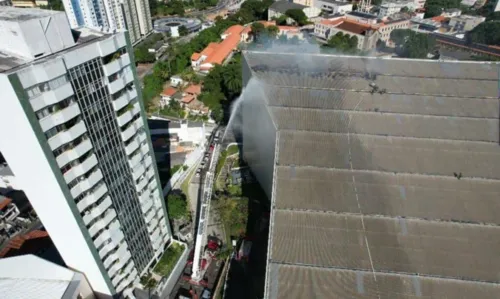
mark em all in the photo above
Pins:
pixel 111 16
pixel 74 133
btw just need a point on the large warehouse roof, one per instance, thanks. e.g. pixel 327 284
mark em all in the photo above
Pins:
pixel 387 177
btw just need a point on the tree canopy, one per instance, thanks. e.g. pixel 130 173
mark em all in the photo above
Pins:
pixel 343 43
pixel 412 44
pixel 435 7
pixel 177 206
pixel 297 15
pixel 485 33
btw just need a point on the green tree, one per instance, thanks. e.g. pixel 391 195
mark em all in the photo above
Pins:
pixel 258 29
pixel 148 281
pixel 399 36
pixel 485 33
pixel 405 9
pixel 183 31
pixel 435 7
pixel 343 42
pixel 142 55
pixel 177 206
pixel 272 31
pixel 281 20
pixel 162 70
pixel 297 15
pixel 232 79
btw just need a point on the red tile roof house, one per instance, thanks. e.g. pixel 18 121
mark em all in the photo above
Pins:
pixel 190 100
pixel 166 96
pixel 218 53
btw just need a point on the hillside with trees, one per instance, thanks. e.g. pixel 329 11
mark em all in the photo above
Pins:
pixel 485 33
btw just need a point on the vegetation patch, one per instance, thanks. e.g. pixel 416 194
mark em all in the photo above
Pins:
pixel 177 205
pixel 169 259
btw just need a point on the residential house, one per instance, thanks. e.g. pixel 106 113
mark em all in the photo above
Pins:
pixel 166 96
pixel 218 53
pixel 279 8
pixel 451 12
pixel 288 31
pixel 388 26
pixel 176 81
pixel 8 210
pixel 191 103
pixel 333 6
pixel 366 34
pixel 388 8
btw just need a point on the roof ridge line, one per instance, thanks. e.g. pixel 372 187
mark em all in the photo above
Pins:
pixel 382 112
pixel 392 172
pixel 429 276
pixel 460 222
pixel 389 136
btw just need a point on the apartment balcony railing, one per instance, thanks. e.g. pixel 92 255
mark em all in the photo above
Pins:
pixel 102 222
pixel 92 197
pixel 97 211
pixel 146 205
pixel 132 129
pixel 140 186
pixel 80 169
pixel 51 97
pixel 110 246
pixel 124 78
pixel 67 136
pixel 117 64
pixel 123 274
pixel 135 159
pixel 127 116
pixel 125 98
pixel 113 232
pixel 145 148
pixel 117 267
pixel 85 184
pixel 138 171
pixel 59 117
pixel 74 153
pixel 152 223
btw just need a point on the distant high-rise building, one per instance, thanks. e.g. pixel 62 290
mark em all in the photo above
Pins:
pixel 74 132
pixel 111 15
pixel 383 174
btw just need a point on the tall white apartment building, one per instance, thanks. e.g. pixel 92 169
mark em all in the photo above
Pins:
pixel 74 132
pixel 111 16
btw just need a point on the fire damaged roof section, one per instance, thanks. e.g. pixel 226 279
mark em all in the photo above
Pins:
pixel 387 176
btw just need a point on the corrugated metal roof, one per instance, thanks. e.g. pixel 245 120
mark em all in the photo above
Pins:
pixel 388 176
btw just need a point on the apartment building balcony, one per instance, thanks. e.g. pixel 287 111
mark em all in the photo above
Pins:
pixel 97 210
pixel 132 129
pixel 117 64
pixel 156 234
pixel 68 135
pixel 127 116
pixel 80 169
pixel 51 97
pixel 59 117
pixel 145 148
pixel 146 206
pixel 152 184
pixel 135 159
pixel 92 197
pixel 124 78
pixel 138 171
pixel 118 266
pixel 152 223
pixel 140 186
pixel 113 232
pixel 149 217
pixel 129 269
pixel 124 98
pixel 150 173
pixel 110 245
pixel 125 282
pixel 120 254
pixel 108 216
pixel 74 153
pixel 144 197
pixel 132 146
pixel 85 183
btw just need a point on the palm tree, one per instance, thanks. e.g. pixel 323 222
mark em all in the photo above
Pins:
pixel 232 79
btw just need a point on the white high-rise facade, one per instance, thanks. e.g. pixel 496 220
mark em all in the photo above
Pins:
pixel 74 132
pixel 111 16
